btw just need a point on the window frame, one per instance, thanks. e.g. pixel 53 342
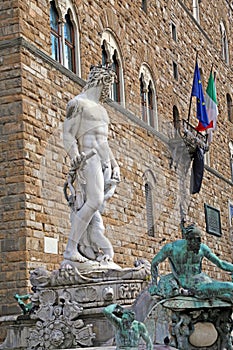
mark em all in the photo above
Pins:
pixel 174 31
pixel 110 47
pixel 70 45
pixel 64 44
pixel 175 70
pixel 148 101
pixel 57 34
pixel 196 10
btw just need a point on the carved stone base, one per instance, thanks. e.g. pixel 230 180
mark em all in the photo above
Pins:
pixel 191 323
pixel 68 303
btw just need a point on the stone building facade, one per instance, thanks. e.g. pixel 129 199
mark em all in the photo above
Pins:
pixel 153 44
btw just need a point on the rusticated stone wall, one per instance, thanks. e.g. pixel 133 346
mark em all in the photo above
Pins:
pixel 33 96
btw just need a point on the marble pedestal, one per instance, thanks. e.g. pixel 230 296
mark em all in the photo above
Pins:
pixel 67 307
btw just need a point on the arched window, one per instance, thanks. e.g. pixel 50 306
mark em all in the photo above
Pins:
pixel 149 210
pixel 55 28
pixel 196 13
pixel 69 44
pixel 111 56
pixel 224 43
pixel 65 36
pixel 148 97
pixel 229 108
pixel 176 118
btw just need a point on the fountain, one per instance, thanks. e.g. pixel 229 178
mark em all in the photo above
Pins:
pixel 71 307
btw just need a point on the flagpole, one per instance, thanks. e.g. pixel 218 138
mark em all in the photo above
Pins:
pixel 211 72
pixel 214 77
pixel 190 102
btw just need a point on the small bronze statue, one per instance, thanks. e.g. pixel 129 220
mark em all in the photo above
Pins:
pixel 128 330
pixel 26 307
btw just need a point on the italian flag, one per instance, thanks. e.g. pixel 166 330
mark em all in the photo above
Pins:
pixel 211 106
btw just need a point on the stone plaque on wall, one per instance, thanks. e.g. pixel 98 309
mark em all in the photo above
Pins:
pixel 213 220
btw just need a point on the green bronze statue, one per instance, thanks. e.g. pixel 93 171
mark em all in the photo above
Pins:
pixel 128 330
pixel 25 306
pixel 185 257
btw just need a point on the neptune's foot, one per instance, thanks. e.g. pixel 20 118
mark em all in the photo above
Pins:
pixel 74 256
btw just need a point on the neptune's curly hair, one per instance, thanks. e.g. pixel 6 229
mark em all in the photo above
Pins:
pixel 98 75
pixel 131 314
pixel 190 231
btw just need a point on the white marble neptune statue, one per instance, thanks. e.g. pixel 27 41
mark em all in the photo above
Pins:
pixel 94 171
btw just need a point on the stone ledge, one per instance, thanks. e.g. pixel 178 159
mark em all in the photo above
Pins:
pixel 142 347
pixel 9 318
pixel 93 348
